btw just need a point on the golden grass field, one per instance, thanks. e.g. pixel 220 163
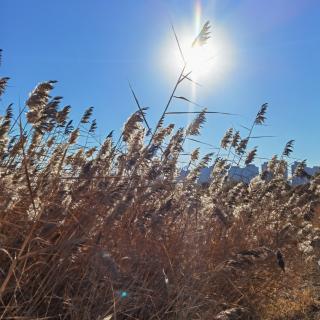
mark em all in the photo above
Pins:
pixel 109 231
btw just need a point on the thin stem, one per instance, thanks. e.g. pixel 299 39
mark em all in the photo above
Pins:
pixel 248 138
pixel 167 105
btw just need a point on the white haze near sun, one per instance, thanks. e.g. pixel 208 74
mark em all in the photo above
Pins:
pixel 210 64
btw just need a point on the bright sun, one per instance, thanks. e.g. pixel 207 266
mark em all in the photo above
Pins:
pixel 208 62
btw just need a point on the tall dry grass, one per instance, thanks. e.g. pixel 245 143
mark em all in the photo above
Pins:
pixel 111 231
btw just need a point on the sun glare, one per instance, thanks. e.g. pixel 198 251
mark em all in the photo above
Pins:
pixel 208 62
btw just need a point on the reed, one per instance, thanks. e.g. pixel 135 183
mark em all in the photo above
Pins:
pixel 111 231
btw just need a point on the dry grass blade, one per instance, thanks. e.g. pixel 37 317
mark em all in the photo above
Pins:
pixel 288 148
pixel 93 126
pixel 203 36
pixel 242 146
pixel 227 138
pixel 235 139
pixel 3 84
pixel 195 82
pixel 178 43
pixel 261 115
pixel 300 170
pixel 259 137
pixel 86 116
pixel 201 142
pixel 139 107
pixel 197 112
pixel 250 157
pixel 188 100
pixel 195 125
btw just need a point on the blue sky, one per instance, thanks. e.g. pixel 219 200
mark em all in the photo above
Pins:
pixel 94 47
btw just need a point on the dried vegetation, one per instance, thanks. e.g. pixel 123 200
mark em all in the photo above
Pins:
pixel 110 231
